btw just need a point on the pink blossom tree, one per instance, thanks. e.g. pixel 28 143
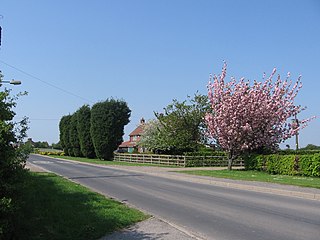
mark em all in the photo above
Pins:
pixel 248 117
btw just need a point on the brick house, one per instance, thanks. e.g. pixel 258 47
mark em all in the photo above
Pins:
pixel 131 145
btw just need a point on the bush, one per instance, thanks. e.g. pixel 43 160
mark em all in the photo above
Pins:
pixel 306 165
pixel 12 162
pixel 310 165
pixel 51 153
pixel 299 152
pixel 202 161
pixel 207 153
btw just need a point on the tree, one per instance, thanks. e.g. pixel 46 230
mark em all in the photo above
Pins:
pixel 311 147
pixel 83 127
pixel 41 144
pixel 57 146
pixel 246 118
pixel 179 129
pixel 108 119
pixel 73 135
pixel 152 137
pixel 12 162
pixel 64 126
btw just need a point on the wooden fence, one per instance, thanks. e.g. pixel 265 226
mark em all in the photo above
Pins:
pixel 176 160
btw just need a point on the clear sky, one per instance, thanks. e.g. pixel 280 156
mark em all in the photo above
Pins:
pixel 75 52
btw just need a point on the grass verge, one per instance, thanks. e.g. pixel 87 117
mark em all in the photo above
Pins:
pixel 97 161
pixel 301 181
pixel 55 208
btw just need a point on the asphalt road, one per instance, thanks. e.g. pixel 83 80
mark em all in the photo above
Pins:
pixel 207 211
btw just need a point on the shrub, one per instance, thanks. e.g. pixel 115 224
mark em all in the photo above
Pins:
pixel 314 168
pixel 107 120
pixel 306 165
pixel 207 153
pixel 298 152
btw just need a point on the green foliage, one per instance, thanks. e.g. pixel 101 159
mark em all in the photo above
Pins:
pixel 57 146
pixel 311 147
pixel 152 138
pixel 12 161
pixel 41 144
pixel 73 136
pixel 108 119
pixel 83 127
pixel 206 161
pixel 50 153
pixel 64 127
pixel 179 129
pixel 310 165
pixel 297 152
pixel 207 153
pixel 306 165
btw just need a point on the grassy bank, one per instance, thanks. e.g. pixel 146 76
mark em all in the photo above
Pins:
pixel 56 208
pixel 259 176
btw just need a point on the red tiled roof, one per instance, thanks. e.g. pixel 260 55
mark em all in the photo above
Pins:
pixel 127 144
pixel 137 132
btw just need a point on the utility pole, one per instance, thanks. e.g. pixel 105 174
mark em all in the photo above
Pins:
pixel 297 133
pixel 0 29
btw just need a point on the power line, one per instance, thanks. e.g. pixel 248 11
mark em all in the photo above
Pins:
pixel 47 83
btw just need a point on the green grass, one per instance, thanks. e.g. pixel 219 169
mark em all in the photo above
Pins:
pixel 97 161
pixel 301 181
pixel 55 208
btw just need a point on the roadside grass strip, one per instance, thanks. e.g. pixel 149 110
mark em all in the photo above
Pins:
pixel 55 208
pixel 301 181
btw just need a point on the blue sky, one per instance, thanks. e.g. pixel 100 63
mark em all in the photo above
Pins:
pixel 70 53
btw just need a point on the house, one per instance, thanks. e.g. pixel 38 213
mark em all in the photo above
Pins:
pixel 131 145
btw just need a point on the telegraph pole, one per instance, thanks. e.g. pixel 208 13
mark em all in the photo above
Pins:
pixel 297 133
pixel 0 29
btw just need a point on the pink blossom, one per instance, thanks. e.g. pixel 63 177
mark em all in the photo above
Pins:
pixel 248 117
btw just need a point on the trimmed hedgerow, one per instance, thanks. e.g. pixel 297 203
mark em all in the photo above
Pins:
pixel 306 165
pixel 297 152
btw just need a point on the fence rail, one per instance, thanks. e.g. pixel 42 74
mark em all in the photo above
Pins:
pixel 176 160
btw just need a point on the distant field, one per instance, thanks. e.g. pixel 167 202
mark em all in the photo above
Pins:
pixel 48 150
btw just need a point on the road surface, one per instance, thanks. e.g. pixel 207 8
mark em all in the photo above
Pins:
pixel 206 211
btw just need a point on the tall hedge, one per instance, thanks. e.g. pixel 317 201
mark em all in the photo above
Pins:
pixel 73 136
pixel 64 127
pixel 83 127
pixel 108 119
pixel 306 165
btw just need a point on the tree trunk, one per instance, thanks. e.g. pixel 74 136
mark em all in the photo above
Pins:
pixel 230 161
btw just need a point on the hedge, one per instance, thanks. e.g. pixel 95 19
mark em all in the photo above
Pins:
pixel 294 164
pixel 297 152
pixel 206 153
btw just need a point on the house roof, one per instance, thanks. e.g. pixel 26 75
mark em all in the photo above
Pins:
pixel 137 132
pixel 127 144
